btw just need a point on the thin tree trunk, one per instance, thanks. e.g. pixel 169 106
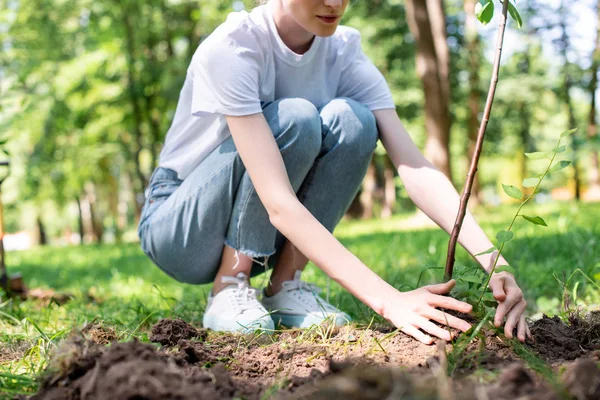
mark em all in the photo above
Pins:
pixel 525 119
pixel 369 187
pixel 464 199
pixel 567 85
pixel 437 116
pixel 389 189
pixel 473 48
pixel 80 223
pixel 131 88
pixel 592 132
pixel 41 232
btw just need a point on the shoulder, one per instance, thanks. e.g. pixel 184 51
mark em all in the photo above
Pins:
pixel 346 39
pixel 242 35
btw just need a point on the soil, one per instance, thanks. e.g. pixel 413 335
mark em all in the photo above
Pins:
pixel 190 363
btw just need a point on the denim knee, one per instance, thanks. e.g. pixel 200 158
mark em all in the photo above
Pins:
pixel 302 119
pixel 361 135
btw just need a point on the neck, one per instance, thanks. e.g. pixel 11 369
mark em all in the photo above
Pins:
pixel 295 37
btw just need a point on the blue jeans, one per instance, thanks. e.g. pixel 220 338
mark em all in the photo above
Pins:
pixel 184 224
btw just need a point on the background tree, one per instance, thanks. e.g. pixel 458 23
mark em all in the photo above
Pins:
pixel 426 20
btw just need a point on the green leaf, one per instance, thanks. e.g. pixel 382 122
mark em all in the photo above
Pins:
pixel 559 165
pixel 488 296
pixel 3 142
pixel 560 149
pixel 538 155
pixel 567 133
pixel 484 12
pixel 535 220
pixel 504 236
pixel 530 182
pixel 512 191
pixel 512 10
pixel 6 152
pixel 504 268
pixel 488 251
pixel 470 279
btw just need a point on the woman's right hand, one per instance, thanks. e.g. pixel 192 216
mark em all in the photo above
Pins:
pixel 412 312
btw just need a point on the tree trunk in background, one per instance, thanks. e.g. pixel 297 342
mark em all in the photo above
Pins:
pixel 389 189
pixel 80 222
pixel 95 223
pixel 564 44
pixel 473 49
pixel 41 232
pixel 525 119
pixel 592 132
pixel 369 186
pixel 113 205
pixel 429 70
pixel 437 17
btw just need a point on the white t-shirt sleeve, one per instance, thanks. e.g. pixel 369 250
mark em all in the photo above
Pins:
pixel 360 78
pixel 225 76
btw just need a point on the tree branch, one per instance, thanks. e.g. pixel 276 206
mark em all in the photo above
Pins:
pixel 464 199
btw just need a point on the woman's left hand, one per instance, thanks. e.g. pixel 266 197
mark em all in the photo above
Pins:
pixel 511 305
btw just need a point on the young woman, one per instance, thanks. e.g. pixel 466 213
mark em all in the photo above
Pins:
pixel 276 123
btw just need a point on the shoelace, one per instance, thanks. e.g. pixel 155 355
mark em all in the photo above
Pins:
pixel 244 297
pixel 308 294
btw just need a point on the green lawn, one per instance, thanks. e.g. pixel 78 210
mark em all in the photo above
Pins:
pixel 119 286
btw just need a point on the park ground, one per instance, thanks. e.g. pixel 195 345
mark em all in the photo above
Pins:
pixel 118 325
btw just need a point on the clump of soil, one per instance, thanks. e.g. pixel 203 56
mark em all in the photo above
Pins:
pixel 99 333
pixel 169 332
pixel 582 379
pixel 516 382
pixel 557 342
pixel 133 370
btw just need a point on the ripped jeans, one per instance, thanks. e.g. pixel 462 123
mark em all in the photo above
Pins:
pixel 184 224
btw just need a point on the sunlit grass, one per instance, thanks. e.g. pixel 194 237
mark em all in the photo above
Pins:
pixel 118 285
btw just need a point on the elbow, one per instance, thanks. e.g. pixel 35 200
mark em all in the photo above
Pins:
pixel 279 209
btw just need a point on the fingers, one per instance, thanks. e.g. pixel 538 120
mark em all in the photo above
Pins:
pixel 514 297
pixel 433 329
pixel 449 303
pixel 497 286
pixel 447 319
pixel 513 317
pixel 522 329
pixel 417 334
pixel 441 288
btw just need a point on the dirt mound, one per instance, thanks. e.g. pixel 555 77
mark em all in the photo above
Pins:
pixel 582 379
pixel 557 342
pixel 133 370
pixel 516 382
pixel 169 332
pixel 304 364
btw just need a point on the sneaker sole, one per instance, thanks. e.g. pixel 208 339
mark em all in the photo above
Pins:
pixel 211 322
pixel 306 321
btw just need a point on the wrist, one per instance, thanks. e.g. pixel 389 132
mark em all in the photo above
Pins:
pixel 388 302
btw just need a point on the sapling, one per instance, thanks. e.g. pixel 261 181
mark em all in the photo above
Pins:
pixel 485 11
pixel 505 236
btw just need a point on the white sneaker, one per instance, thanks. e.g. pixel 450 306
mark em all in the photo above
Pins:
pixel 299 305
pixel 236 309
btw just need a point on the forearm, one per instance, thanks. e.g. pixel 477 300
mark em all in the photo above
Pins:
pixel 432 192
pixel 297 224
pixel 429 189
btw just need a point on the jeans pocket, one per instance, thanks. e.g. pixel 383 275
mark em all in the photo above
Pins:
pixel 158 192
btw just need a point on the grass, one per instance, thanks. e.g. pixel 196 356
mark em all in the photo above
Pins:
pixel 116 284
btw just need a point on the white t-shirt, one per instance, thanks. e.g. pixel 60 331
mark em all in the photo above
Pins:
pixel 244 62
